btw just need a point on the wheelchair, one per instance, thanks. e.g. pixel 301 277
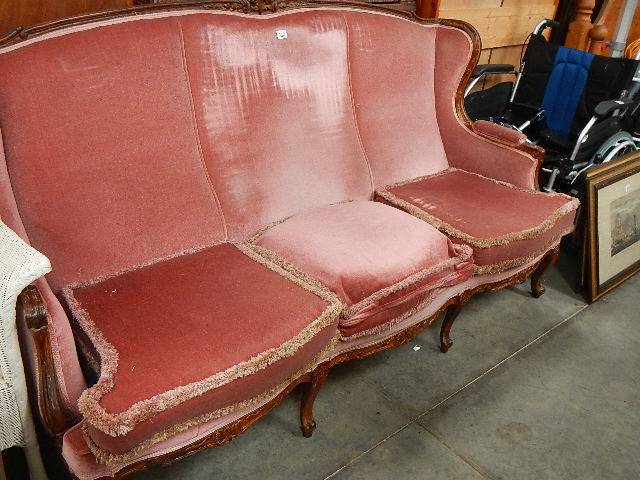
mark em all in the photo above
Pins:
pixel 583 109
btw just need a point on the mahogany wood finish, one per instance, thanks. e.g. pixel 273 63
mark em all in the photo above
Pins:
pixel 597 36
pixel 57 419
pixel 22 13
pixel 452 313
pixel 318 377
pixel 46 396
pixel 537 289
pixel 427 8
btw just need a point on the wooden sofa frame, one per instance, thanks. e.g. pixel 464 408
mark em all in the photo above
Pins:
pixel 53 417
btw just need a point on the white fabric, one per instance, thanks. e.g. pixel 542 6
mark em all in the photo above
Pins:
pixel 20 264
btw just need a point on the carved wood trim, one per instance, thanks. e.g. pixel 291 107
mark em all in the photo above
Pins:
pixel 45 393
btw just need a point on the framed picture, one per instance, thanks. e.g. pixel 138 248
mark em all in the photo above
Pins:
pixel 612 224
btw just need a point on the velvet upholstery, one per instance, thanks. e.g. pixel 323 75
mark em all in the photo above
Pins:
pixel 395 105
pixel 275 116
pixel 104 174
pixel 466 149
pixel 82 462
pixel 65 359
pixel 192 335
pixel 133 144
pixel 373 256
pixel 505 225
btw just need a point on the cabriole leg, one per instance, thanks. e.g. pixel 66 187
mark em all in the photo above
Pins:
pixel 452 313
pixel 311 389
pixel 537 289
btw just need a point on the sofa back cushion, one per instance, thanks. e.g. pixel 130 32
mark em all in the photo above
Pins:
pixel 134 139
pixel 275 115
pixel 392 64
pixel 101 148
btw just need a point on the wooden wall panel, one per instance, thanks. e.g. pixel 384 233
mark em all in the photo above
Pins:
pixel 500 23
pixel 504 25
pixel 26 13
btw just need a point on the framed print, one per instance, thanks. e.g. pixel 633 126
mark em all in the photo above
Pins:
pixel 612 223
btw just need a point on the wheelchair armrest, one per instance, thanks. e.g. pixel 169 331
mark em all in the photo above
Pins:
pixel 609 106
pixel 492 69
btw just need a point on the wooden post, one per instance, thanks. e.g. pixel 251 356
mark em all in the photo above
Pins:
pixel 578 35
pixel 427 8
pixel 597 35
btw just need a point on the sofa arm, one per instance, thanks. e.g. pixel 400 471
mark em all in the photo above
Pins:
pixel 499 133
pixel 495 152
pixel 44 384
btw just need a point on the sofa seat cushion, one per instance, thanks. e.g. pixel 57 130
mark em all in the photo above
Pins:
pixel 507 226
pixel 194 338
pixel 375 258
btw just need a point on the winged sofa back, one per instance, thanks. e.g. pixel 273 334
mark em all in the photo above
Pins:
pixel 135 139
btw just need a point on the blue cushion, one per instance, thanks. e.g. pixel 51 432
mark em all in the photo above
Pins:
pixel 565 87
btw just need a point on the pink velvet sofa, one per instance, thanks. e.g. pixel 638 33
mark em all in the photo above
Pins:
pixel 234 201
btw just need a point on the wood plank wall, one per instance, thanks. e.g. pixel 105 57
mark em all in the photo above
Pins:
pixel 503 25
pixel 26 13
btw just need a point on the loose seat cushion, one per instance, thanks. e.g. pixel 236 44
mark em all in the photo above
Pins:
pixel 507 226
pixel 193 338
pixel 374 257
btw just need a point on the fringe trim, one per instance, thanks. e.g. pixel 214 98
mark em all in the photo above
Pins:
pixel 107 458
pixel 119 424
pixel 464 254
pixel 450 230
pixel 517 262
pixel 383 327
pixel 154 261
pixel 256 236
pixel 272 261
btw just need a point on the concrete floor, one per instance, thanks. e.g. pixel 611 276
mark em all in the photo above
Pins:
pixel 531 389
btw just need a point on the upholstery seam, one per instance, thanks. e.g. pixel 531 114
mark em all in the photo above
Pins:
pixel 58 362
pixel 354 114
pixel 196 131
pixel 435 98
pixel 499 267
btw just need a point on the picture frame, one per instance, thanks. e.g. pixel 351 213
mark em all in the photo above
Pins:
pixel 611 225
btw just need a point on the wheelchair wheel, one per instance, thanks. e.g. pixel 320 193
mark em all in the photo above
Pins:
pixel 616 146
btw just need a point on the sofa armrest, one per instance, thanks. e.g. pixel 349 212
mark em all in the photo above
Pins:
pixel 45 393
pixel 499 133
pixel 496 152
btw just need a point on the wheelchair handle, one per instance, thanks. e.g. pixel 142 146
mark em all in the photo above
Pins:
pixel 546 23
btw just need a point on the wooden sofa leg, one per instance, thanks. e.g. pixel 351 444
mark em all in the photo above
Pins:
pixel 537 289
pixel 311 389
pixel 452 313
